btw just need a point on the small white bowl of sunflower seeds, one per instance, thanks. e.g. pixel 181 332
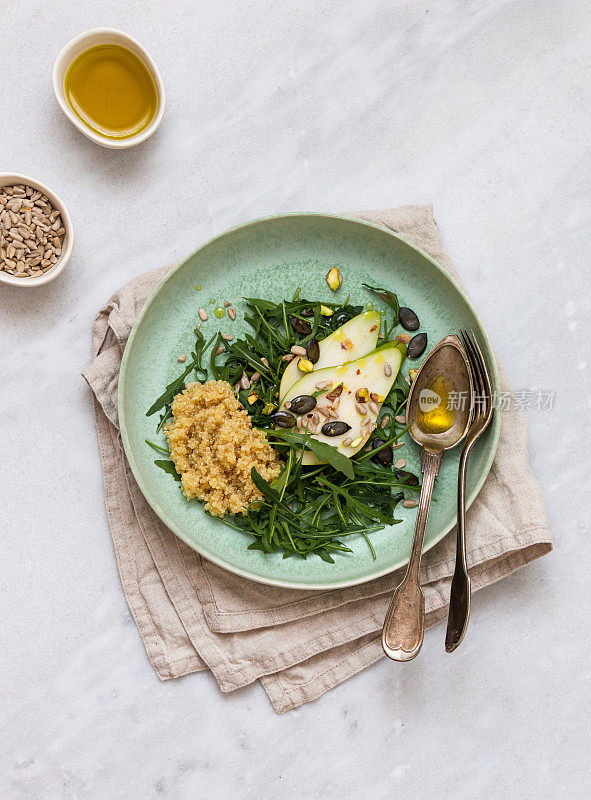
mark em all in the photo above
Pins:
pixel 36 234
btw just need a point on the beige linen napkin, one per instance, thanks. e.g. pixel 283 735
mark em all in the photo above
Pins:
pixel 193 615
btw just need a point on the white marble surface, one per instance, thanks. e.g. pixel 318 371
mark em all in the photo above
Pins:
pixel 480 107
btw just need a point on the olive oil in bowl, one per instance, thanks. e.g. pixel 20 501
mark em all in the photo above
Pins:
pixel 112 91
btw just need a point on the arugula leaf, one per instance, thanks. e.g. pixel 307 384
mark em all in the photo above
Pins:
pixel 325 452
pixel 168 466
pixel 264 488
pixel 389 298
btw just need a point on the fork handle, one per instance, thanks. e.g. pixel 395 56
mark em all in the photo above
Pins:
pixel 461 587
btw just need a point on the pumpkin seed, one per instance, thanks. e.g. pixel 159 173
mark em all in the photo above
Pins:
pixel 335 428
pixel 408 319
pixel 406 477
pixel 284 419
pixel 313 350
pixel 384 456
pixel 300 326
pixel 416 346
pixel 302 404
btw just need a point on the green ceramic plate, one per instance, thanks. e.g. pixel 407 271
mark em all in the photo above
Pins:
pixel 272 258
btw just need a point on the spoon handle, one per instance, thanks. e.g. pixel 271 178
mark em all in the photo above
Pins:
pixel 404 626
pixel 461 589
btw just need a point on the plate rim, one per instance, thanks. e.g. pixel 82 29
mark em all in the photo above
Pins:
pixel 161 513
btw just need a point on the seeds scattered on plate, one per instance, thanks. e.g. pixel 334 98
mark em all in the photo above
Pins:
pixel 182 358
pixel 203 314
pixel 417 345
pixel 304 365
pixel 401 419
pixel 400 464
pixel 227 336
pixel 31 232
pixel 231 312
pixel 298 351
pixel 219 350
pixel 408 319
pixel 334 278
pixel 409 503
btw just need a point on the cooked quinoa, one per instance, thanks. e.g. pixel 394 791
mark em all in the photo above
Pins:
pixel 214 447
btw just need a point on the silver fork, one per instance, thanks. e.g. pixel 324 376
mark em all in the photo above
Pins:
pixel 459 599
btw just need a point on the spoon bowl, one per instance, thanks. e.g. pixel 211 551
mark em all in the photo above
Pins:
pixel 446 359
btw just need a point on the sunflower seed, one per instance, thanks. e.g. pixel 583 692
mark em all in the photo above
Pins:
pixel 400 464
pixel 227 337
pixel 385 421
pixel 401 419
pixel 24 249
pixel 219 350
pixel 231 312
pixel 203 314
pixel 409 503
pixel 387 370
pixel 298 351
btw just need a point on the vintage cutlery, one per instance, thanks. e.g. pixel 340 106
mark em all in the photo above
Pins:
pixel 459 599
pixel 435 427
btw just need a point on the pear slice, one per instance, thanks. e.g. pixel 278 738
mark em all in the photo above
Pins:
pixel 359 333
pixel 375 372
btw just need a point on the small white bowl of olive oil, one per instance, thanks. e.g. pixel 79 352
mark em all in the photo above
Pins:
pixel 109 88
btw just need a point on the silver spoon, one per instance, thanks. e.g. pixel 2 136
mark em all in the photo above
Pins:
pixel 404 626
